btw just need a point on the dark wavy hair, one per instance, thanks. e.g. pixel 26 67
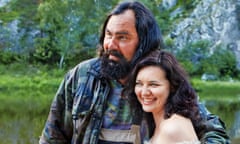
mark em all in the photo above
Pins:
pixel 182 100
pixel 150 37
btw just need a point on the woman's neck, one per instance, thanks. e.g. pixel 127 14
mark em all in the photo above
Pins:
pixel 158 118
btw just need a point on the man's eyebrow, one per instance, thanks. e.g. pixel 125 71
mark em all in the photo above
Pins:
pixel 122 32
pixel 118 33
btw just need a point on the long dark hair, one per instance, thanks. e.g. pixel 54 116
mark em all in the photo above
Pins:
pixel 182 100
pixel 150 37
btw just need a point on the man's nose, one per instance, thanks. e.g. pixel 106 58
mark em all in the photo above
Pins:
pixel 112 45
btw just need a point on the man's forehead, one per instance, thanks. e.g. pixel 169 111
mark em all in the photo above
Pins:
pixel 126 18
pixel 121 24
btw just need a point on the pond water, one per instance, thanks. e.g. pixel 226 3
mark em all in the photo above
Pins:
pixel 229 112
pixel 26 128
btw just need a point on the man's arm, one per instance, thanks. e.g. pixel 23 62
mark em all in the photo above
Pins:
pixel 218 134
pixel 58 128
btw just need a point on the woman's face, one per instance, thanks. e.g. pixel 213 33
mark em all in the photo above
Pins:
pixel 152 89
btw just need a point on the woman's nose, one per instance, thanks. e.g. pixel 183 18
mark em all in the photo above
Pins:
pixel 145 91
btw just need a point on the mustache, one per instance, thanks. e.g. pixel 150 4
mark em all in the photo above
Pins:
pixel 114 53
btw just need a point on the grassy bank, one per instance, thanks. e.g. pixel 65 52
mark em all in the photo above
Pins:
pixel 221 98
pixel 29 91
pixel 26 95
pixel 217 90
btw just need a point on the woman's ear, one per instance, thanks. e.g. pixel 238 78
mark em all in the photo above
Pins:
pixel 172 89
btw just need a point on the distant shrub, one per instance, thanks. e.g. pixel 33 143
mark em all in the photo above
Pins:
pixel 7 57
pixel 192 54
pixel 197 60
pixel 221 63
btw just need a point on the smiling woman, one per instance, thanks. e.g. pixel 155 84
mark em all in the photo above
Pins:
pixel 152 89
pixel 160 86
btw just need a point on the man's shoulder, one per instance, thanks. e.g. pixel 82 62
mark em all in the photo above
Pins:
pixel 84 67
pixel 88 63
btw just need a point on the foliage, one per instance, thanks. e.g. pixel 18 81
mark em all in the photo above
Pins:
pixel 4 38
pixel 69 28
pixel 18 24
pixel 59 32
pixel 192 55
pixel 221 63
pixel 8 16
pixel 168 17
pixel 9 57
pixel 217 90
pixel 197 60
pixel 65 33
pixel 50 22
pixel 26 10
pixel 26 94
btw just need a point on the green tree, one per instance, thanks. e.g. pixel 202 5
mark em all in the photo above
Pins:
pixel 22 13
pixel 50 15
pixel 192 54
pixel 221 63
pixel 70 29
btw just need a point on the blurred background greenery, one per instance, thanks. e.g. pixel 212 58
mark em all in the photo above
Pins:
pixel 40 40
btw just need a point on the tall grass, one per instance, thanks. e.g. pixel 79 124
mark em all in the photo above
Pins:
pixel 217 90
pixel 26 93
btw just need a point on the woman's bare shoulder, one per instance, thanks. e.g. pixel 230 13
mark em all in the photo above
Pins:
pixel 177 123
pixel 179 128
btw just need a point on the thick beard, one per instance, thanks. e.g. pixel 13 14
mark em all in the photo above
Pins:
pixel 114 69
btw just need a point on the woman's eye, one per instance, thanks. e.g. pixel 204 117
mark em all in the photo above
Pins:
pixel 138 84
pixel 154 84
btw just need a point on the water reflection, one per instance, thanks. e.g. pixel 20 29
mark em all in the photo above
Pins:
pixel 229 112
pixel 26 128
pixel 235 129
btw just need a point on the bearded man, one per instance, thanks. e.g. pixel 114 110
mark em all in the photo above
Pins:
pixel 88 107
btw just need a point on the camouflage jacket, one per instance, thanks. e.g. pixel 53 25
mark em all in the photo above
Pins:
pixel 77 110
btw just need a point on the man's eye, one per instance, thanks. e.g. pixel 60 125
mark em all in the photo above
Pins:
pixel 122 37
pixel 107 36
